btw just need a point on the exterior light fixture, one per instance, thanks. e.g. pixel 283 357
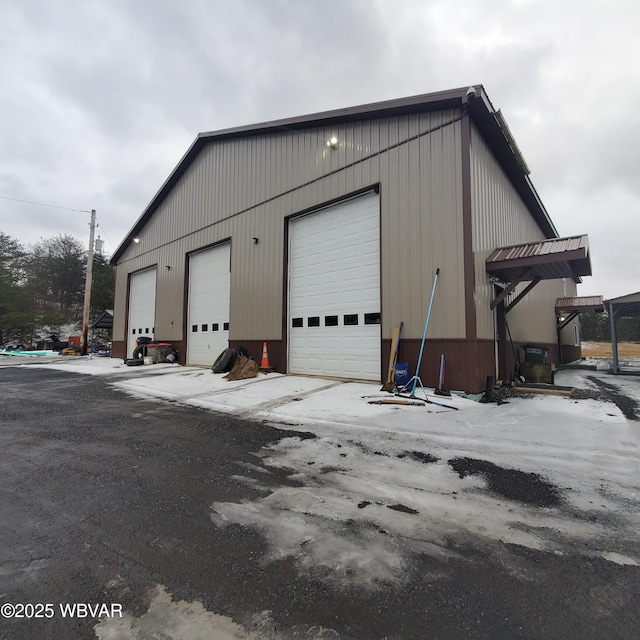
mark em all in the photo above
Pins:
pixel 137 240
pixel 332 142
pixel 255 240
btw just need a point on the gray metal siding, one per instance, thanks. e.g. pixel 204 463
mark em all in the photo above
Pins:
pixel 500 219
pixel 243 188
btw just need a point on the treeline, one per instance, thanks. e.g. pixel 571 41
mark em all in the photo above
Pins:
pixel 42 287
pixel 596 327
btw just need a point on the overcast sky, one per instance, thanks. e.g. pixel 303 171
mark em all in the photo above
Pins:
pixel 100 99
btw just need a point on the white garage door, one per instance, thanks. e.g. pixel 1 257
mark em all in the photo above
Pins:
pixel 334 291
pixel 142 307
pixel 209 294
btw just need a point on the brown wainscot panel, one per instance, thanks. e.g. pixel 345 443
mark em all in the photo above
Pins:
pixel 570 353
pixel 467 362
pixel 118 348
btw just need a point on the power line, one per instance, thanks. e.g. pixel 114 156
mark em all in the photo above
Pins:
pixel 99 224
pixel 42 204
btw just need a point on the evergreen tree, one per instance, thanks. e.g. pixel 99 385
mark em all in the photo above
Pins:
pixel 14 306
pixel 44 287
pixel 595 327
pixel 55 269
pixel 103 285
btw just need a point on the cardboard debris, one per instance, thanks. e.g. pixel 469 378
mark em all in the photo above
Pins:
pixel 243 368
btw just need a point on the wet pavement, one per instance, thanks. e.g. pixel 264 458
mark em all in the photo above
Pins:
pixel 107 500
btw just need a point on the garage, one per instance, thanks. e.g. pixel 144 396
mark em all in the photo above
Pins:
pixel 208 307
pixel 142 307
pixel 340 219
pixel 334 291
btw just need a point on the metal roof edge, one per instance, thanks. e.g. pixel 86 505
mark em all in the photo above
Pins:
pixel 451 98
pixel 166 187
pixel 494 129
pixel 480 109
pixel 583 237
pixel 630 297
pixel 437 100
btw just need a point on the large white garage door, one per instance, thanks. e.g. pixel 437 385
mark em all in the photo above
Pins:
pixel 334 291
pixel 209 294
pixel 142 307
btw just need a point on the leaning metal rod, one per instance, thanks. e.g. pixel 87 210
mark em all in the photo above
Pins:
pixel 424 334
pixel 426 399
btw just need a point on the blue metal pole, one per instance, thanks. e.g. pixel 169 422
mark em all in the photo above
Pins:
pixel 424 334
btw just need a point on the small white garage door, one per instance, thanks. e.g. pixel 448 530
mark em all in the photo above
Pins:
pixel 334 291
pixel 142 307
pixel 209 295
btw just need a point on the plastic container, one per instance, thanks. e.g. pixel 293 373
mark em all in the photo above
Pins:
pixel 535 353
pixel 148 360
pixel 403 375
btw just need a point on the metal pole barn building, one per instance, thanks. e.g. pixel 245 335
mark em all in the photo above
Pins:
pixel 319 234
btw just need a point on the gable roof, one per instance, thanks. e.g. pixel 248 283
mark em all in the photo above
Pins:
pixel 105 321
pixel 490 123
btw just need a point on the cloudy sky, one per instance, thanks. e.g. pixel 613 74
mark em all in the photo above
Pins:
pixel 99 100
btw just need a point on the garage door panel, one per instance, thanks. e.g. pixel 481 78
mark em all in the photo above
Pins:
pixel 334 282
pixel 208 310
pixel 142 307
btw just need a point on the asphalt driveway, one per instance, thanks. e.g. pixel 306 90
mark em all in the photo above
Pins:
pixel 115 523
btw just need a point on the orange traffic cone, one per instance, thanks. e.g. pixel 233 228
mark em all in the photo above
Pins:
pixel 264 365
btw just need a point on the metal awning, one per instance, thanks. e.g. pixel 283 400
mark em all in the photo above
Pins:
pixel 544 260
pixel 530 263
pixel 568 308
pixel 579 304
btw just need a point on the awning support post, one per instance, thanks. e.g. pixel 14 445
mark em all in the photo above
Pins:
pixel 614 339
pixel 501 328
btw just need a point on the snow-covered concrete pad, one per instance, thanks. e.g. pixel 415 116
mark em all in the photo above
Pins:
pixel 259 393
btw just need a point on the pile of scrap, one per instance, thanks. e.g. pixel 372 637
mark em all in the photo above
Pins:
pixel 548 389
pixel 244 367
pixel 238 364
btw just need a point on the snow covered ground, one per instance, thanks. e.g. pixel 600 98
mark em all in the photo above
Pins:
pixel 379 483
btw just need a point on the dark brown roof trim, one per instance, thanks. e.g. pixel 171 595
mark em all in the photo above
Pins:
pixel 480 110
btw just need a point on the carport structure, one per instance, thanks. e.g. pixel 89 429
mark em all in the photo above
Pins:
pixel 623 307
pixel 105 321
pixel 527 265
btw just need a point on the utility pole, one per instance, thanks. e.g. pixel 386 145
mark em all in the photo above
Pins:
pixel 87 287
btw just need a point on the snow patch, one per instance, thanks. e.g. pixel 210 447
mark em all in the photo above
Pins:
pixel 166 618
